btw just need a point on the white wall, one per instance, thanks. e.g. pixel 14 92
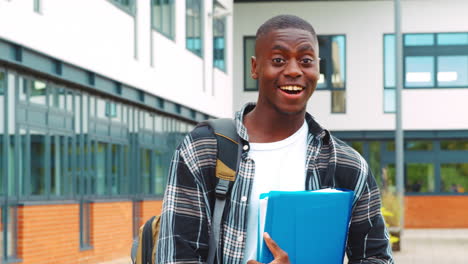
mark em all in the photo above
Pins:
pixel 364 23
pixel 98 36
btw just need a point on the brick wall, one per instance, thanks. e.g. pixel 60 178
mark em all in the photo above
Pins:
pixel 149 209
pixel 50 233
pixel 436 211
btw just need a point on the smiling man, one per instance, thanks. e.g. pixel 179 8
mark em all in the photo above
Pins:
pixel 284 148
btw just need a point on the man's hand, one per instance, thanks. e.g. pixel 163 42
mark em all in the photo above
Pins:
pixel 280 256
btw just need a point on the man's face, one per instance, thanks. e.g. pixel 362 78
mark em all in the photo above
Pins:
pixel 287 69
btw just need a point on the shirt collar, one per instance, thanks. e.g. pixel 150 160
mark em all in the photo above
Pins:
pixel 314 128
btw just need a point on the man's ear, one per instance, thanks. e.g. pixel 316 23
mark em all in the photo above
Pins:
pixel 253 68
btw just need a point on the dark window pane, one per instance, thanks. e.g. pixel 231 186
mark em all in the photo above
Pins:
pixel 219 43
pixel 419 71
pixel 419 145
pixel 145 170
pixel 390 146
pixel 454 177
pixel 101 168
pixel 454 145
pixel 38 161
pixel 452 39
pixel 420 177
pixel 419 39
pixel 452 71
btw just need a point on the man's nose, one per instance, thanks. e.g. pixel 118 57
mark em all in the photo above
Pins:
pixel 293 69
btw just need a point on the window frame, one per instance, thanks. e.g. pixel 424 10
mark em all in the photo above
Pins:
pixel 172 19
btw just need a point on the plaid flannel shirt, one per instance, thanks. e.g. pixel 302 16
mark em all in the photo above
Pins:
pixel 190 197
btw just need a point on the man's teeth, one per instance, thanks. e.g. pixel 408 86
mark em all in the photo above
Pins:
pixel 291 88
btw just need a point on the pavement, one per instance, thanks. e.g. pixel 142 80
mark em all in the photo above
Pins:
pixel 418 246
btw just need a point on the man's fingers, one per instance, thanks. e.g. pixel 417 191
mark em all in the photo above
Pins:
pixel 274 248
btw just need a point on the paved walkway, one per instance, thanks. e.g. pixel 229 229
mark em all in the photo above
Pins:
pixel 419 246
pixel 433 246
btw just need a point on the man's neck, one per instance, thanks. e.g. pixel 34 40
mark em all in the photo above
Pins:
pixel 271 126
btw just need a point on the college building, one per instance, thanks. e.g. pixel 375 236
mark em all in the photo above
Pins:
pixel 94 98
pixel 96 95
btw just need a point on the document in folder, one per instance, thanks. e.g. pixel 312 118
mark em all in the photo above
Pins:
pixel 311 226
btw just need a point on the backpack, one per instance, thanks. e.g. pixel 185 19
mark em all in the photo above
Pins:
pixel 227 162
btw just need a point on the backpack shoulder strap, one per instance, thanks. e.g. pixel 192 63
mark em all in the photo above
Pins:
pixel 227 164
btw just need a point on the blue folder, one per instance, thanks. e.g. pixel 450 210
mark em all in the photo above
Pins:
pixel 311 226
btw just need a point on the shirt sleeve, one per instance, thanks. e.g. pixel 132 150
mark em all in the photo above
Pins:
pixel 368 238
pixel 183 236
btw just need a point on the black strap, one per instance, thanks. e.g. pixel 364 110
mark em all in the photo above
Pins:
pixel 229 151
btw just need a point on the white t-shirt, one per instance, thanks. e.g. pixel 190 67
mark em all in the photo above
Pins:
pixel 279 166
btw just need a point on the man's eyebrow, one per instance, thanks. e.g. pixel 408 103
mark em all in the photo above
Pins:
pixel 306 48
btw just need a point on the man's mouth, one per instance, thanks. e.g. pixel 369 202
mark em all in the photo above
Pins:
pixel 291 89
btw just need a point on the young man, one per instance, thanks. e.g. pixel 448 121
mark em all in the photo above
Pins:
pixel 284 148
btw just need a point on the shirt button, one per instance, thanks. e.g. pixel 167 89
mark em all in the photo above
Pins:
pixel 240 238
pixel 244 198
pixel 246 147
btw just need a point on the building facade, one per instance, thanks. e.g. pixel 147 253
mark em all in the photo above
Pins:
pixel 355 97
pixel 94 98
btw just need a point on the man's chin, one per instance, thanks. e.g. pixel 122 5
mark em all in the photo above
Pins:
pixel 290 111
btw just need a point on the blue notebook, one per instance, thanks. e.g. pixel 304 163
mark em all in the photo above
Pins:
pixel 311 226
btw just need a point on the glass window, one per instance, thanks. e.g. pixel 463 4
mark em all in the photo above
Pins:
pixel 159 172
pixel 390 146
pixel 332 62
pixel 452 39
pixel 454 144
pixel 163 17
pixel 358 146
pixel 194 26
pixel 58 164
pixel 124 185
pixel 2 126
pixel 420 177
pixel 389 61
pixel 452 71
pixel 338 77
pixel 421 145
pixel 38 162
pixel 101 108
pixel 419 71
pixel 38 92
pixel 250 84
pixel 102 160
pixel 115 168
pixel 219 43
pixel 85 224
pixel 145 171
pixel 338 101
pixel 111 109
pixel 375 160
pixel 454 177
pixel 8 225
pixel 419 39
pixel 389 178
pixel 37 6
pixel 389 100
pixel 20 160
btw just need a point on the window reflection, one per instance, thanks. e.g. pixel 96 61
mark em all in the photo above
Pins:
pixel 452 71
pixel 454 144
pixel 420 177
pixel 38 92
pixel 454 177
pixel 338 101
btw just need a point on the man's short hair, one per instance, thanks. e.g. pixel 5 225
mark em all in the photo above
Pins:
pixel 285 21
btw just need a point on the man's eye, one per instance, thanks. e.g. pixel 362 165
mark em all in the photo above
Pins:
pixel 307 61
pixel 278 60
